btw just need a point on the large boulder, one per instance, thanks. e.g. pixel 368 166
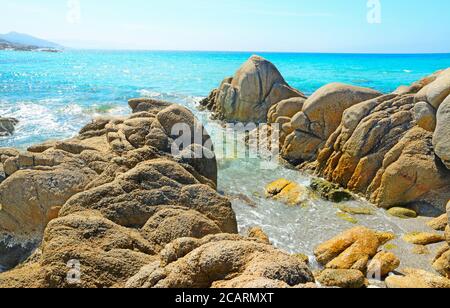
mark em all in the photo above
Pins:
pixel 383 149
pixel 410 173
pixel 222 260
pixel 248 96
pixel 425 116
pixel 441 139
pixel 435 92
pixel 320 117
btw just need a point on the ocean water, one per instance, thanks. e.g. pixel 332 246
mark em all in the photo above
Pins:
pixel 54 95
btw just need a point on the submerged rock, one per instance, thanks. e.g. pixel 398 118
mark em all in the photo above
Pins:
pixel 352 249
pixel 402 212
pixel 258 233
pixel 7 126
pixel 420 250
pixel 248 96
pixel 356 210
pixel 423 238
pixel 330 191
pixel 287 192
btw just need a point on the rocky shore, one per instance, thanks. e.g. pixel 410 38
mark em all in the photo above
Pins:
pixel 114 207
pixel 115 201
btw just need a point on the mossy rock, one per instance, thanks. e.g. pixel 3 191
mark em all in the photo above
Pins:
pixel 356 210
pixel 330 191
pixel 423 238
pixel 304 258
pixel 288 192
pixel 402 213
pixel 348 218
pixel 390 246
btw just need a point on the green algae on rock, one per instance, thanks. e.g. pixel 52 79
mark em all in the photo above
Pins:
pixel 423 238
pixel 330 191
pixel 401 212
pixel 356 210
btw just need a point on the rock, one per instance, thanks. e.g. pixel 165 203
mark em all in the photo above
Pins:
pixel 380 152
pixel 330 191
pixel 425 116
pixel 222 261
pixel 356 210
pixel 7 126
pixel 410 173
pixel 348 279
pixel 435 92
pixel 352 249
pixel 417 279
pixel 439 223
pixel 287 192
pixel 383 264
pixel 142 196
pixel 258 233
pixel 147 105
pixel 401 212
pixel 420 250
pixel 248 96
pixel 348 218
pixel 304 258
pixel 286 108
pixel 28 196
pixel 441 141
pixel 422 238
pixel 171 223
pixel 320 117
pixel 442 261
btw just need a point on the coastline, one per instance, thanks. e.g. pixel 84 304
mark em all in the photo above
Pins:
pixel 74 148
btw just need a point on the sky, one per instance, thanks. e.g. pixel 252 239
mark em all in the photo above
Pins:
pixel 348 26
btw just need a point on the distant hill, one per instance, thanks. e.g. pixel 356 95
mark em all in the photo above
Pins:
pixel 24 42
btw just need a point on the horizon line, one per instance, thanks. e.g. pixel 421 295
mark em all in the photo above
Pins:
pixel 257 52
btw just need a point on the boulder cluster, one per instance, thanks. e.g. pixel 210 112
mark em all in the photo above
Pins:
pixel 116 207
pixel 113 207
pixel 392 148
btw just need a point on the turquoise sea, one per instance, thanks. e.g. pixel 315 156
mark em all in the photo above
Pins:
pixel 54 95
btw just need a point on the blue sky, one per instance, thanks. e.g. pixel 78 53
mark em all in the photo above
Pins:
pixel 407 26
